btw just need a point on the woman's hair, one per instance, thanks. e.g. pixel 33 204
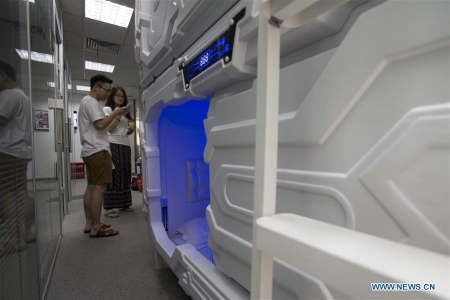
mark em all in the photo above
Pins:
pixel 110 102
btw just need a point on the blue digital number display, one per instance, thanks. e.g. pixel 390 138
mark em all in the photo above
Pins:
pixel 222 48
pixel 204 59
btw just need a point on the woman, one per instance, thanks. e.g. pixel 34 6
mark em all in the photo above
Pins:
pixel 118 193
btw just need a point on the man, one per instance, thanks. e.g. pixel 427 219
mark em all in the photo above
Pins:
pixel 95 152
pixel 16 206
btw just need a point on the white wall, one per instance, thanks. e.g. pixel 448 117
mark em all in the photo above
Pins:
pixel 44 140
pixel 76 144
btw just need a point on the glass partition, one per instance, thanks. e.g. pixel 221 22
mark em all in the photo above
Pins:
pixel 19 275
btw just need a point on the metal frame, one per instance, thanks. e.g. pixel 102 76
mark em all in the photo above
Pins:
pixel 58 47
pixel 33 158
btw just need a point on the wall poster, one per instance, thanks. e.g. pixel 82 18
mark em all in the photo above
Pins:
pixel 41 119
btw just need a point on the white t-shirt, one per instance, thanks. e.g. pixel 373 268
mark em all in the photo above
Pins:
pixel 15 135
pixel 92 139
pixel 119 134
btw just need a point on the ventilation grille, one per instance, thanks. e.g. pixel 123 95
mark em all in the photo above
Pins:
pixel 96 44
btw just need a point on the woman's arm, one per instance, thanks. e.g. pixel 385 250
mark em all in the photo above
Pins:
pixel 114 123
pixel 106 121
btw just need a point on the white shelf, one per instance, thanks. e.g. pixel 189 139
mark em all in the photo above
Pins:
pixel 349 261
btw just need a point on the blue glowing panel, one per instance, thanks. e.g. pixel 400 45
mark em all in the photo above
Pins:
pixel 181 137
pixel 218 50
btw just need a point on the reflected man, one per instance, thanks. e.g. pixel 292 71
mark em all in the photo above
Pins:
pixel 16 206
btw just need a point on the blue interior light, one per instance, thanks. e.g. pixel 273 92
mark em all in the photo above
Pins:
pixel 181 137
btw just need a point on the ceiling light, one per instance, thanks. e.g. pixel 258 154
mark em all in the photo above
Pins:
pixel 108 12
pixel 90 65
pixel 31 1
pixel 52 84
pixel 36 56
pixel 83 88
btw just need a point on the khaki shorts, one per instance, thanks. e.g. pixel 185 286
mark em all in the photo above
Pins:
pixel 99 168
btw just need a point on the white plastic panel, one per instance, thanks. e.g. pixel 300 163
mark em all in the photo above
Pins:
pixel 364 141
pixel 168 28
pixel 389 261
pixel 201 279
pixel 363 134
pixel 188 27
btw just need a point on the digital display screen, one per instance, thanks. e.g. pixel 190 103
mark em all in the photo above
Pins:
pixel 204 59
pixel 222 48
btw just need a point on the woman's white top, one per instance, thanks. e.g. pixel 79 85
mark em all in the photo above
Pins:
pixel 119 134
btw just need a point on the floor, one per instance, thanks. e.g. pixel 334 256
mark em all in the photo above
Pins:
pixel 120 267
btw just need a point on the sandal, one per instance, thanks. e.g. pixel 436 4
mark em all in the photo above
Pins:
pixel 103 232
pixel 106 226
pixel 111 214
pixel 127 209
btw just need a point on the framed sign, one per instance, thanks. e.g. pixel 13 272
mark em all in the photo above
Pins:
pixel 41 119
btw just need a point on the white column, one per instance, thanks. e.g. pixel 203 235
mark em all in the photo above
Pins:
pixel 266 149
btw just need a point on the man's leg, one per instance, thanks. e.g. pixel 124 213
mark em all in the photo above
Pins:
pixel 30 236
pixel 101 174
pixel 12 205
pixel 96 206
pixel 87 206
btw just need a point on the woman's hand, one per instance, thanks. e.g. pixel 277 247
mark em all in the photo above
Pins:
pixel 130 130
pixel 122 111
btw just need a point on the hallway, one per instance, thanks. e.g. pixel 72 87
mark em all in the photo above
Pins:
pixel 121 267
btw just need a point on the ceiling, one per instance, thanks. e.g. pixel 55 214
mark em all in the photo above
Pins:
pixel 77 29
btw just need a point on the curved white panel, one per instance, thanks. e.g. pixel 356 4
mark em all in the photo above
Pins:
pixel 233 190
pixel 395 158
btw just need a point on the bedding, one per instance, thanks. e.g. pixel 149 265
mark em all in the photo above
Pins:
pixel 177 239
pixel 195 232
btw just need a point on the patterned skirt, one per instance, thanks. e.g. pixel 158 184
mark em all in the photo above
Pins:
pixel 118 193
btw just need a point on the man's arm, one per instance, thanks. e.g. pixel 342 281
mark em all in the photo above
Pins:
pixel 103 123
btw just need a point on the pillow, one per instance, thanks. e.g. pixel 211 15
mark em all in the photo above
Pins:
pixel 195 232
